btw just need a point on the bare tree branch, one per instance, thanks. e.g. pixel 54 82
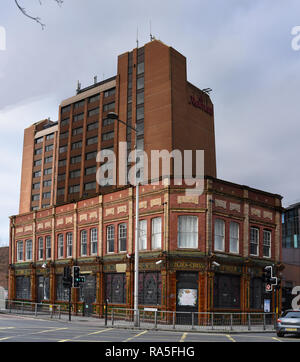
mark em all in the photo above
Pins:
pixel 35 18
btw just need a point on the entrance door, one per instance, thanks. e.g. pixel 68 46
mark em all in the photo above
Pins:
pixel 88 294
pixel 186 297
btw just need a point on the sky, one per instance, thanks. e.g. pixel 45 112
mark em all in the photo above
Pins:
pixel 244 50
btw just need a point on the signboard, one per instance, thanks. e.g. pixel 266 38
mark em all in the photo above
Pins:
pixel 187 297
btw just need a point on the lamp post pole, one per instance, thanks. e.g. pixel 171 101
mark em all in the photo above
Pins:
pixel 113 115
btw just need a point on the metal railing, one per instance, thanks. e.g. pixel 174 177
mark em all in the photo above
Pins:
pixel 120 317
pixel 36 309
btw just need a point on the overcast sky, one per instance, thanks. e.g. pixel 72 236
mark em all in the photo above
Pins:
pixel 242 49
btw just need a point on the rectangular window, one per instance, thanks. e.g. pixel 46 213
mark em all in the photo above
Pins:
pixel 109 107
pixel 95 98
pixel 108 136
pixel 91 155
pixel 140 113
pixel 65 122
pixel 93 112
pixel 63 149
pixel 50 136
pixel 90 170
pixel 92 140
pixel 47 183
pixel 60 191
pixel 36 186
pixel 48 247
pixel 75 159
pixel 49 148
pixel 64 135
pixel 107 122
pixel 37 174
pixel 41 248
pixel 39 151
pixel 75 173
pixel 143 234
pixel 110 92
pixel 267 243
pixel 122 237
pixel 156 233
pixel 254 240
pixel 60 246
pixel 188 231
pixel 38 140
pixel 90 186
pixel 94 241
pixel 140 83
pixel 66 109
pixel 37 163
pixel 74 189
pixel 20 251
pixel 234 237
pixel 48 171
pixel 219 235
pixel 78 104
pixel 83 242
pixel 35 197
pixel 115 284
pixel 77 131
pixel 110 238
pixel 61 177
pixel 48 159
pixel 92 126
pixel 78 117
pixel 140 98
pixel 62 163
pixel 46 195
pixel 76 145
pixel 69 244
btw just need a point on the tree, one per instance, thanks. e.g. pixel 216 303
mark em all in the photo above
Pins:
pixel 35 18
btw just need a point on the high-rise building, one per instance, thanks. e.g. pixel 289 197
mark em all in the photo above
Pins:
pixel 212 246
pixel 38 166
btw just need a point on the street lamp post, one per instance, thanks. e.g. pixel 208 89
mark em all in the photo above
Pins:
pixel 113 115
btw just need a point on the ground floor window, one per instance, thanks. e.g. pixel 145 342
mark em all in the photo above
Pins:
pixel 226 291
pixel 62 293
pixel 23 289
pixel 116 288
pixel 43 288
pixel 150 288
pixel 256 293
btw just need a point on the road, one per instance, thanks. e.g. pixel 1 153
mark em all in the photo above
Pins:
pixel 29 329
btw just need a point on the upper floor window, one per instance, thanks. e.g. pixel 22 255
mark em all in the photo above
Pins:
pixel 219 235
pixel 254 240
pixel 69 244
pixel 94 98
pixel 122 237
pixel 78 104
pixel 143 234
pixel 41 248
pixel 187 231
pixel 20 251
pixel 110 238
pixel 267 243
pixel 234 237
pixel 109 92
pixel 48 247
pixel 28 249
pixel 156 233
pixel 109 106
pixel 60 246
pixel 94 241
pixel 83 242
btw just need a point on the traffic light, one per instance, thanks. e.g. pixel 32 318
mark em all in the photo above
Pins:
pixel 269 279
pixel 67 278
pixel 77 278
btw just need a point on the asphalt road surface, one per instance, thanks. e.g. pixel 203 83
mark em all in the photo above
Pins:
pixel 29 329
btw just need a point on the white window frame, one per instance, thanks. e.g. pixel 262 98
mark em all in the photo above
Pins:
pixel 20 250
pixel 69 244
pixel 110 238
pixel 156 233
pixel 267 242
pixel 60 246
pixel 83 243
pixel 28 249
pixel 143 234
pixel 234 237
pixel 122 235
pixel 48 246
pixel 187 238
pixel 219 235
pixel 94 241
pixel 254 241
pixel 41 248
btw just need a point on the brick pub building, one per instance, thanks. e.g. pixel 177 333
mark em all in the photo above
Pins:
pixel 197 253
